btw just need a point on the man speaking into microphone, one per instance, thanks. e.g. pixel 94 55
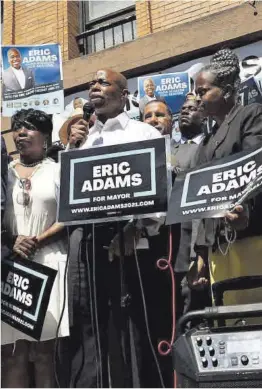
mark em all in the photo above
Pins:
pixel 108 93
pixel 94 280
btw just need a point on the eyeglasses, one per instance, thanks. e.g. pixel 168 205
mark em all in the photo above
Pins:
pixel 23 197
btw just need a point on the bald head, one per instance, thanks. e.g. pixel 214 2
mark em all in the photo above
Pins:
pixel 14 58
pixel 149 87
pixel 108 93
pixel 117 77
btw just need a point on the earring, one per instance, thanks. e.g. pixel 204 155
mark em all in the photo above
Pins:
pixel 45 145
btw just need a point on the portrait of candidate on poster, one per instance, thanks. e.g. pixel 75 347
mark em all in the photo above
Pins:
pixel 170 87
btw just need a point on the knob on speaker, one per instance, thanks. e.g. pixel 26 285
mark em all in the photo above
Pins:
pixel 214 362
pixel 208 340
pixel 199 341
pixel 244 360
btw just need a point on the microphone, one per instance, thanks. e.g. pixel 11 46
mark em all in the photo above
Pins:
pixel 88 110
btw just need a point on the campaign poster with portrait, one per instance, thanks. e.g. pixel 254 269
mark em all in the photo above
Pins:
pixel 171 88
pixel 32 77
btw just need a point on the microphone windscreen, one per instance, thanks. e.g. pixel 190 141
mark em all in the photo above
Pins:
pixel 88 110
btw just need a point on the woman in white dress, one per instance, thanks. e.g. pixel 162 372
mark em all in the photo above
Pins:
pixel 30 220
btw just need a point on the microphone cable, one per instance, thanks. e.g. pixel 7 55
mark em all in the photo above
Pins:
pixel 56 357
pixel 164 264
pixel 88 274
pixel 97 337
pixel 146 317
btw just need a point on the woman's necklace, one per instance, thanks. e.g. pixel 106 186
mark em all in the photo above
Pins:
pixel 30 164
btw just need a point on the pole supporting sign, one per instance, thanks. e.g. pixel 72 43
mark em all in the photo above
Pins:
pixel 114 182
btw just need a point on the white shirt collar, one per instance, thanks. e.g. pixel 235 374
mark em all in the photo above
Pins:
pixel 109 125
pixel 197 139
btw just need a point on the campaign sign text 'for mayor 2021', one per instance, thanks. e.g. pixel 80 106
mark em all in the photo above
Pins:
pixel 25 291
pixel 216 187
pixel 113 182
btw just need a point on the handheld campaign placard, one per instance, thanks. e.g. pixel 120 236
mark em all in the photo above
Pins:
pixel 114 182
pixel 216 187
pixel 25 291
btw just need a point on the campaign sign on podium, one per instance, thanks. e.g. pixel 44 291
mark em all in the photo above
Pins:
pixel 114 182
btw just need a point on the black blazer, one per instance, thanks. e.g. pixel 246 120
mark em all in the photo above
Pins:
pixel 241 130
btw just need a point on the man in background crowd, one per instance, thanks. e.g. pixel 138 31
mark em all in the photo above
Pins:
pixel 16 77
pixel 158 114
pixel 191 124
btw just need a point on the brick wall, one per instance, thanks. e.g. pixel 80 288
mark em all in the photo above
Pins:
pixel 157 15
pixel 33 22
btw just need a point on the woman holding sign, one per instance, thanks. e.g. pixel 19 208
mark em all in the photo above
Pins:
pixel 30 220
pixel 235 242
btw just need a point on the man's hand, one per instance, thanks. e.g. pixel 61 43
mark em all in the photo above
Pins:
pixel 197 274
pixel 25 246
pixel 78 133
pixel 238 217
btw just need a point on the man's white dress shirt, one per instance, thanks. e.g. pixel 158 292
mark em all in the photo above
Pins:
pixel 197 139
pixel 20 75
pixel 120 129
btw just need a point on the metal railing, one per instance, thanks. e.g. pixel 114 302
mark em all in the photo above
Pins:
pixel 108 31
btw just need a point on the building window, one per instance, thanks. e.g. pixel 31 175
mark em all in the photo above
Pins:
pixel 105 24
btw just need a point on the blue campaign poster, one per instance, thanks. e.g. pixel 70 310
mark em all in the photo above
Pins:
pixel 170 87
pixel 32 77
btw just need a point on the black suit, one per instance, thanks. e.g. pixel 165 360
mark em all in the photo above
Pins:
pixel 241 130
pixel 184 237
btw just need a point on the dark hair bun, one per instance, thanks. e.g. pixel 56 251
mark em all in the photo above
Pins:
pixel 226 59
pixel 224 65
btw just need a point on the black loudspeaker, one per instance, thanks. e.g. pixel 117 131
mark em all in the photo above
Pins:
pixel 219 357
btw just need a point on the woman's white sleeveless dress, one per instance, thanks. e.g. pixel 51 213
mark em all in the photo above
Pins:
pixel 33 220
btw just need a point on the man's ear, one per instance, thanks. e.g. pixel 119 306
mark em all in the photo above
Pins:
pixel 125 92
